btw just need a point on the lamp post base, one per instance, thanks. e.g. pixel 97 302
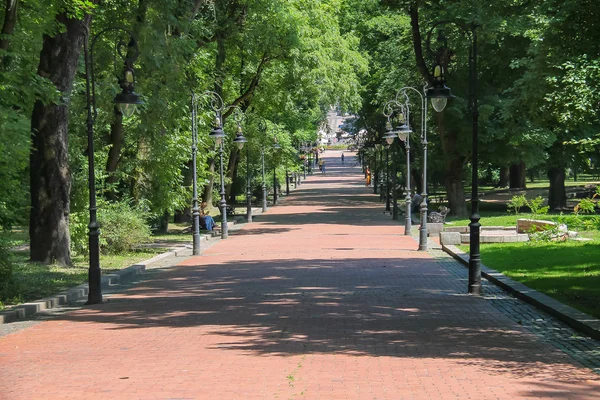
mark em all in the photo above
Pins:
pixel 196 244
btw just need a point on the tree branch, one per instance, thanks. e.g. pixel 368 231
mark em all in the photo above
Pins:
pixel 417 43
pixel 251 87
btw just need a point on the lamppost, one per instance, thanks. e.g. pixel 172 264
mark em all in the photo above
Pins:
pixel 248 187
pixel 127 102
pixel 262 125
pixel 218 136
pixel 195 208
pixel 403 131
pixel 387 178
pixel 423 205
pixel 439 95
pixel 276 147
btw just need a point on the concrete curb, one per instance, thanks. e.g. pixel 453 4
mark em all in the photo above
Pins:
pixel 567 314
pixel 80 292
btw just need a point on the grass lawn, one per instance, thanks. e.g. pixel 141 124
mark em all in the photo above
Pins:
pixel 32 281
pixel 568 272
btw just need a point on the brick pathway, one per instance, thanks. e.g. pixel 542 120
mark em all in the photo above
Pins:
pixel 322 298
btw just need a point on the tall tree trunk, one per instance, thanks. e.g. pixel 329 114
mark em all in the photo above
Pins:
pixel 504 177
pixel 8 28
pixel 49 165
pixel 557 196
pixel 116 139
pixel 518 175
pixel 453 166
pixel 453 160
pixel 207 194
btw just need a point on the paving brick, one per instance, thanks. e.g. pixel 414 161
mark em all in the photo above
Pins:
pixel 322 297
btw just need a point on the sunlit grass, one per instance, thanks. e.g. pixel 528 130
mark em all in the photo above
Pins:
pixel 32 281
pixel 568 272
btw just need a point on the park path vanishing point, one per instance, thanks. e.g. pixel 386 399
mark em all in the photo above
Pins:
pixel 322 297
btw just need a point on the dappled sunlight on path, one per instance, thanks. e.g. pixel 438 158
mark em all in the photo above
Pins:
pixel 322 297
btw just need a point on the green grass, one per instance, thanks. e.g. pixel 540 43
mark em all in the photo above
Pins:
pixel 15 236
pixel 568 272
pixel 490 219
pixel 32 281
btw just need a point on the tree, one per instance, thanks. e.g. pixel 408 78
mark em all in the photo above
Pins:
pixel 49 165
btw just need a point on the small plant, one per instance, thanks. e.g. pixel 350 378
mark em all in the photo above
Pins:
pixel 516 203
pixel 536 207
pixel 588 206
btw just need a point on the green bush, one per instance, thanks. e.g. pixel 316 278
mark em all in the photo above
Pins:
pixel 516 203
pixel 78 227
pixel 123 227
pixel 6 265
pixel 6 272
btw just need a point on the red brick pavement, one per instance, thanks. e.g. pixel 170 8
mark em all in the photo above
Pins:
pixel 321 298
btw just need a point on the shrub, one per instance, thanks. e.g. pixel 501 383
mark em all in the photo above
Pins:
pixel 123 227
pixel 6 265
pixel 78 227
pixel 6 272
pixel 516 203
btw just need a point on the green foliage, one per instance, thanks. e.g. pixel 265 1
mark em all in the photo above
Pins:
pixel 123 227
pixel 516 203
pixel 588 206
pixel 78 228
pixel 6 265
pixel 537 207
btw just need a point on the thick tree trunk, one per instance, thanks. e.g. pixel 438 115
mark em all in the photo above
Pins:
pixel 504 177
pixel 10 20
pixel 453 174
pixel 8 28
pixel 116 139
pixel 518 175
pixel 49 166
pixel 453 160
pixel 231 173
pixel 557 196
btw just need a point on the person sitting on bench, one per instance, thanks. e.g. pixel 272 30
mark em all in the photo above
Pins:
pixel 207 222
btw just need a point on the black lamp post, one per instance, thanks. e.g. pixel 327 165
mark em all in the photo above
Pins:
pixel 263 128
pixel 404 132
pixel 387 178
pixel 439 95
pixel 127 101
pixel 276 148
pixel 248 187
pixel 195 208
pixel 218 136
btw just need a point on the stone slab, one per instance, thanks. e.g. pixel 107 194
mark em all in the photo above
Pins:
pixel 525 225
pixel 434 228
pixel 450 238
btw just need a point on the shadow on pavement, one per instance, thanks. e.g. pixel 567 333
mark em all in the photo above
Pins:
pixel 355 306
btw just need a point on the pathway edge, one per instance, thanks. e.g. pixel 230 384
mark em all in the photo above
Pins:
pixel 574 318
